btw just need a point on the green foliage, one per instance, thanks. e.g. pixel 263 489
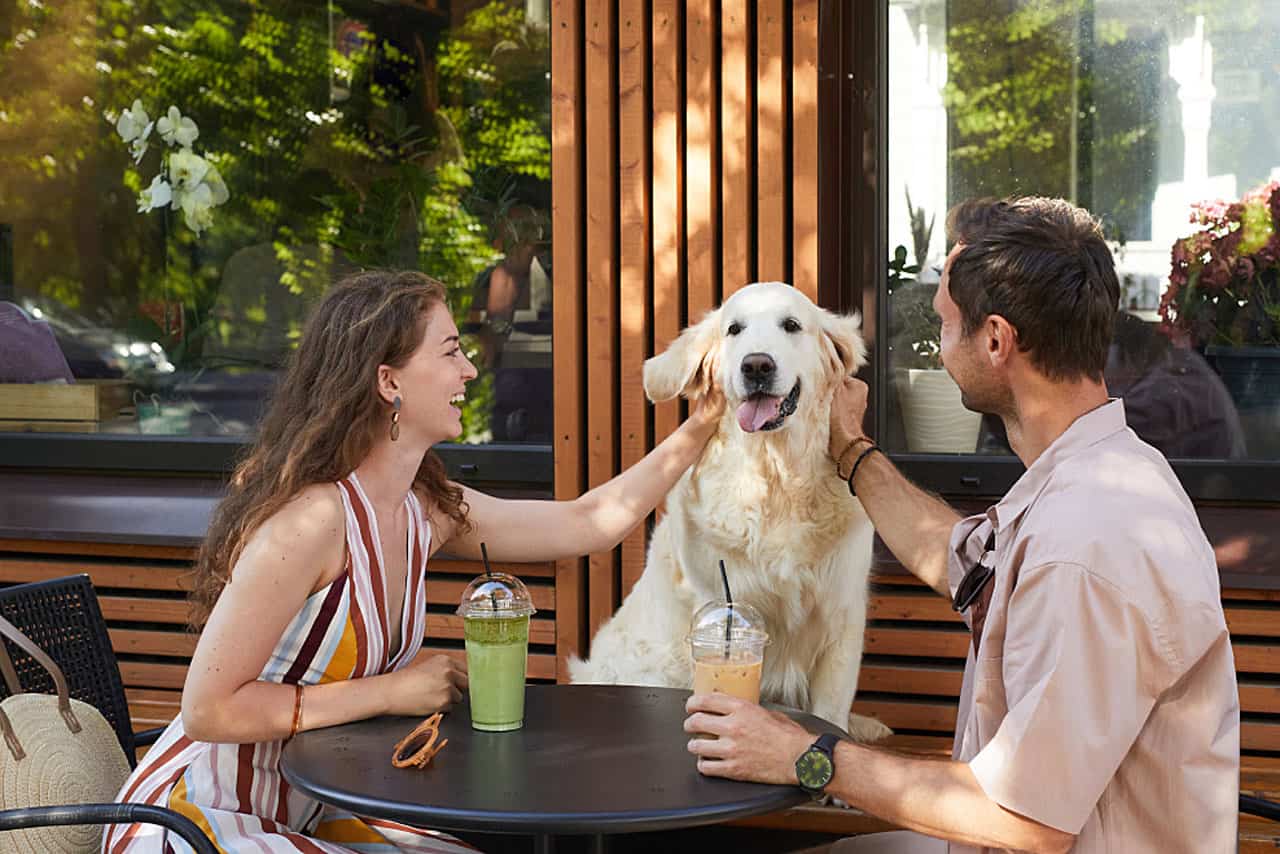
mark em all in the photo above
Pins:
pixel 914 327
pixel 379 155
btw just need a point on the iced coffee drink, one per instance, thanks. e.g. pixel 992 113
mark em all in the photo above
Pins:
pixel 727 641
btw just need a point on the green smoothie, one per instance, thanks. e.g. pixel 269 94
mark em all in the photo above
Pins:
pixel 497 654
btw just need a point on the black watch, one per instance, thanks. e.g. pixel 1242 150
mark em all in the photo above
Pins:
pixel 817 765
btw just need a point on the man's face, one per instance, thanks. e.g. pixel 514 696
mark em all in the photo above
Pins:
pixel 965 356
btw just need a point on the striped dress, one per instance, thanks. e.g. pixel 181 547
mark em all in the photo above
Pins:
pixel 235 792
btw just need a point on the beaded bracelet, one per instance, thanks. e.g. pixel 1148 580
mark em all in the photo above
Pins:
pixel 849 447
pixel 862 456
pixel 297 710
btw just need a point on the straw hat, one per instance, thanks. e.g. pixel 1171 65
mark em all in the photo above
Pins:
pixel 59 768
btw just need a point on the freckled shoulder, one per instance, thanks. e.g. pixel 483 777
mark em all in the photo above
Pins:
pixel 305 537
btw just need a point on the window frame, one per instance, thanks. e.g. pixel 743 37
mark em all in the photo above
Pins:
pixel 501 463
pixel 853 249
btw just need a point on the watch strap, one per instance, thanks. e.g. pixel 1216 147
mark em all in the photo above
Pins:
pixel 827 744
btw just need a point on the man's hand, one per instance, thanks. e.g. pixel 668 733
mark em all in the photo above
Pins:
pixel 848 408
pixel 752 743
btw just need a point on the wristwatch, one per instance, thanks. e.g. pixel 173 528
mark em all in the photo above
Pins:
pixel 817 765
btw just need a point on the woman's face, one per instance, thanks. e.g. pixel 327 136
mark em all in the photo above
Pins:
pixel 434 381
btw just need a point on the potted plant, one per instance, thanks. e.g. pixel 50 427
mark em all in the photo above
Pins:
pixel 1223 299
pixel 934 419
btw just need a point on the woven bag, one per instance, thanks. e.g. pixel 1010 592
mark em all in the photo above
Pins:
pixel 57 751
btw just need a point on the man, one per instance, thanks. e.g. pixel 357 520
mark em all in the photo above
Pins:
pixel 1099 709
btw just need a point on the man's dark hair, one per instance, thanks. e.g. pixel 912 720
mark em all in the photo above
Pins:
pixel 1043 265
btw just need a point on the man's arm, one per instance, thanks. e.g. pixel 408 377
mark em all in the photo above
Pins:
pixel 941 798
pixel 915 525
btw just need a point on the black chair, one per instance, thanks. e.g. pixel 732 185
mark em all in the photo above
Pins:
pixel 62 617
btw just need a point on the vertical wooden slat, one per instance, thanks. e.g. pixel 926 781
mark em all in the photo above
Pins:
pixel 771 135
pixel 602 283
pixel 633 183
pixel 736 123
pixel 568 306
pixel 804 146
pixel 668 194
pixel 702 190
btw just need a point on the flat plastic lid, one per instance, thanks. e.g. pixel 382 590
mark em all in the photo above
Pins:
pixel 745 625
pixel 496 596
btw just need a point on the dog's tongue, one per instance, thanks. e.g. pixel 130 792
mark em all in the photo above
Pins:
pixel 757 412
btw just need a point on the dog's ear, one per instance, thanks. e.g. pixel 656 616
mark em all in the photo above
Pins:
pixel 842 341
pixel 689 365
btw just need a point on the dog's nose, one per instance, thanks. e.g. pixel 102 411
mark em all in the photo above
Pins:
pixel 758 368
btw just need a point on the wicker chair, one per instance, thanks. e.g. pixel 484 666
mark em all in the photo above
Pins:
pixel 62 617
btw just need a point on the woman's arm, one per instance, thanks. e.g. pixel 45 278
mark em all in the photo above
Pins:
pixel 533 530
pixel 294 553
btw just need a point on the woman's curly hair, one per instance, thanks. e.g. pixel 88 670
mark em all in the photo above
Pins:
pixel 324 414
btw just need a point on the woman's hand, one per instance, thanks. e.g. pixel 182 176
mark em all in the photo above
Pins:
pixel 708 409
pixel 431 683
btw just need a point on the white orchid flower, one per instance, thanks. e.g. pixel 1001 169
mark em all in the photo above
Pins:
pixel 197 207
pixel 187 169
pixel 218 187
pixel 177 128
pixel 158 195
pixel 134 123
pixel 138 148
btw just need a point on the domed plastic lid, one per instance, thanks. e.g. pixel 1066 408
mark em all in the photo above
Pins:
pixel 745 625
pixel 496 596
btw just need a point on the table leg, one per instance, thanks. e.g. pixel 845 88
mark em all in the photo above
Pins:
pixel 599 844
pixel 544 843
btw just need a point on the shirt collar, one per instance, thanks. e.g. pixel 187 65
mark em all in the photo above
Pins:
pixel 1087 430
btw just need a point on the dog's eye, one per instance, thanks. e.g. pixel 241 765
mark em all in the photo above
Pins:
pixel 790 325
pixel 735 328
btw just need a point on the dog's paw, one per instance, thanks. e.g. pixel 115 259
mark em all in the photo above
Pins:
pixel 867 730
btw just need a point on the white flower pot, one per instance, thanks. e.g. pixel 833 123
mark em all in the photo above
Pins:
pixel 936 421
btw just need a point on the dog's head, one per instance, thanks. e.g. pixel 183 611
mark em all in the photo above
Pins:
pixel 768 348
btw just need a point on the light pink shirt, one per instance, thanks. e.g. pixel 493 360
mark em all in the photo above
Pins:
pixel 1103 698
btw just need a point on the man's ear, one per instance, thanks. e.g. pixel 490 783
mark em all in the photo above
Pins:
pixel 689 365
pixel 1002 339
pixel 842 340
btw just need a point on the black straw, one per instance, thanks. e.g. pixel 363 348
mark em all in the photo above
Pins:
pixel 484 555
pixel 728 623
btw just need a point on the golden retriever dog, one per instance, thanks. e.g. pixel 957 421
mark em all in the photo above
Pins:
pixel 764 498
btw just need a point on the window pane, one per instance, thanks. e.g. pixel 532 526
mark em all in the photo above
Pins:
pixel 300 140
pixel 1138 111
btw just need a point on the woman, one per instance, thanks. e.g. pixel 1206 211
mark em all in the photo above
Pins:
pixel 310 584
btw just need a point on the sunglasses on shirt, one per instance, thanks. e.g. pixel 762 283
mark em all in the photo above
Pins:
pixel 978 577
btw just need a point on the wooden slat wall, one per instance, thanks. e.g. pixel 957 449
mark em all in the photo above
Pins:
pixel 142 593
pixel 693 172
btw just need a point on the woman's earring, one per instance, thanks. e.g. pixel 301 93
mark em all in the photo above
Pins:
pixel 395 418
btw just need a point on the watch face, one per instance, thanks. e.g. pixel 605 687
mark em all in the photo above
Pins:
pixel 814 769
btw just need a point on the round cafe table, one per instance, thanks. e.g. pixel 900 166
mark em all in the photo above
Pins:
pixel 590 759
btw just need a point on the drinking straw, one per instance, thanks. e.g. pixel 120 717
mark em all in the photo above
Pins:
pixel 728 623
pixel 484 555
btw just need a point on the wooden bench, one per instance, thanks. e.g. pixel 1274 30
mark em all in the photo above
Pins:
pixel 910 679
pixel 142 591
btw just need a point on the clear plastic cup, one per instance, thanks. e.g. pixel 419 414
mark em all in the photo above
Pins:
pixel 495 610
pixel 727 641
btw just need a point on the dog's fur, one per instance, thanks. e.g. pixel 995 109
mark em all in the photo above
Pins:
pixel 768 502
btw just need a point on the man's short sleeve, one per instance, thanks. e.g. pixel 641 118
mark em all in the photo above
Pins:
pixel 1082 667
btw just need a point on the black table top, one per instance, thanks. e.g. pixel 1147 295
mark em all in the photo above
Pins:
pixel 590 759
